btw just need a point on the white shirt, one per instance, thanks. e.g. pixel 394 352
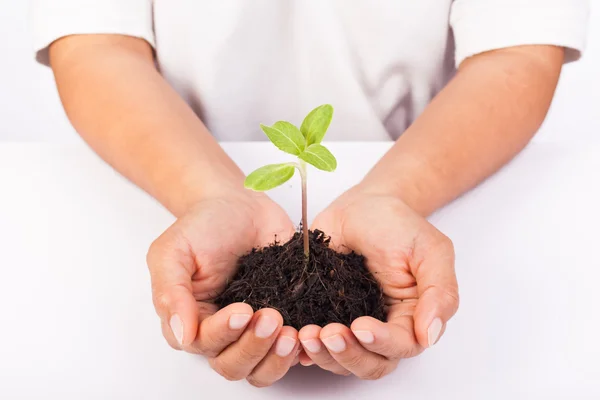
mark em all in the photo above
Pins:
pixel 378 62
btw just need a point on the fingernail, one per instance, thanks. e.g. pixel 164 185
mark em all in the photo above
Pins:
pixel 177 328
pixel 312 345
pixel 265 327
pixel 433 333
pixel 284 346
pixel 364 336
pixel 307 363
pixel 335 343
pixel 238 321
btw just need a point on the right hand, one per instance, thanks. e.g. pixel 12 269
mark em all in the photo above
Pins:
pixel 414 264
pixel 190 264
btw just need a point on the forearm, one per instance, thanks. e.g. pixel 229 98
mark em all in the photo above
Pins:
pixel 476 124
pixel 119 103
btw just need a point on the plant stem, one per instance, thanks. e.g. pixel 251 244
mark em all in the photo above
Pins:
pixel 302 169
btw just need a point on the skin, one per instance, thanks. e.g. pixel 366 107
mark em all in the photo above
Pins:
pixel 125 110
pixel 484 116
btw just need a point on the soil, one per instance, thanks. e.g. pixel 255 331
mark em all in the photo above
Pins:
pixel 332 287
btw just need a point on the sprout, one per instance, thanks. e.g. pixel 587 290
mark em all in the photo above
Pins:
pixel 305 143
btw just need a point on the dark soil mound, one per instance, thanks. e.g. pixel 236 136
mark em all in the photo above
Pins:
pixel 332 287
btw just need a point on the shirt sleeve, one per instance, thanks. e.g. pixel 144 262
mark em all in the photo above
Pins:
pixel 483 25
pixel 54 19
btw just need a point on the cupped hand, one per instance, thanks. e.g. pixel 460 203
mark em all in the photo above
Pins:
pixel 190 264
pixel 414 263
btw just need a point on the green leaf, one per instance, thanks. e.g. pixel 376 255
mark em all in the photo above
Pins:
pixel 269 177
pixel 318 156
pixel 316 123
pixel 285 136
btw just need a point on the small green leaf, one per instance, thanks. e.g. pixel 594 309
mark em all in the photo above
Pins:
pixel 316 123
pixel 285 136
pixel 269 177
pixel 318 156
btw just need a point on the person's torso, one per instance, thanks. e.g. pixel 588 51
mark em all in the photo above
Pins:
pixel 240 63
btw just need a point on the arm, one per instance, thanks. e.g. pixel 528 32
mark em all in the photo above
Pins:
pixel 476 124
pixel 485 115
pixel 119 103
pixel 121 106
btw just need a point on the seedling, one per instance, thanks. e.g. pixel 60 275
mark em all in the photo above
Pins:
pixel 319 289
pixel 305 143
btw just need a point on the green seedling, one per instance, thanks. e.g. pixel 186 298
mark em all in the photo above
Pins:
pixel 304 143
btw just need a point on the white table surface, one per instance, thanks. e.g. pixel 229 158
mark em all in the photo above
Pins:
pixel 77 320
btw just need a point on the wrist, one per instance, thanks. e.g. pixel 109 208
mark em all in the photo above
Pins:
pixel 223 185
pixel 411 182
pixel 199 183
pixel 409 195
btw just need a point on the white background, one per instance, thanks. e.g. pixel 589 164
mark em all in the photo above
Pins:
pixel 77 322
pixel 30 109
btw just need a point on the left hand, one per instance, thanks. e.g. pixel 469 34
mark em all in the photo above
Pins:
pixel 414 263
pixel 190 264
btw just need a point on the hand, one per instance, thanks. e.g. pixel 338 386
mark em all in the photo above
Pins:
pixel 190 264
pixel 414 263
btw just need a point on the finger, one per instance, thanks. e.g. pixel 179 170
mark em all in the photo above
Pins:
pixel 278 360
pixel 394 339
pixel 437 287
pixel 305 360
pixel 219 330
pixel 170 268
pixel 299 353
pixel 204 311
pixel 347 351
pixel 239 359
pixel 169 337
pixel 314 349
pixel 328 222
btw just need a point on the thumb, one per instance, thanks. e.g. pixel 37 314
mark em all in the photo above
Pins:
pixel 328 223
pixel 170 271
pixel 437 288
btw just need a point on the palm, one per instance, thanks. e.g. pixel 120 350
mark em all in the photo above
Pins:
pixel 190 264
pixel 217 232
pixel 386 232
